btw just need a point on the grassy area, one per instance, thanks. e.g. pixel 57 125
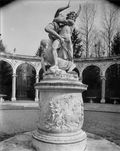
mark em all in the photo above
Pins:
pixel 104 124
pixel 4 136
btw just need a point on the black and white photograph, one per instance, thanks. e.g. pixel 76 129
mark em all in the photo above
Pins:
pixel 59 75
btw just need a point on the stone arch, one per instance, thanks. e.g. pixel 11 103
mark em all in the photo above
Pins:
pixel 113 83
pixel 87 65
pixel 29 63
pixel 26 76
pixel 109 65
pixel 37 66
pixel 91 77
pixel 6 72
pixel 9 62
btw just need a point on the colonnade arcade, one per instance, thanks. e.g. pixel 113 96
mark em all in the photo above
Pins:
pixel 18 74
pixel 102 88
pixel 103 79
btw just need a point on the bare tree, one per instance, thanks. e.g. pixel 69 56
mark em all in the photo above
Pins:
pixel 98 49
pixel 86 25
pixel 95 45
pixel 110 14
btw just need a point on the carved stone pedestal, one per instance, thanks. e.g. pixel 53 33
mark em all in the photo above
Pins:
pixel 61 114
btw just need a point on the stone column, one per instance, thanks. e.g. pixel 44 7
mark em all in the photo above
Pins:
pixel 36 90
pixel 14 87
pixel 103 89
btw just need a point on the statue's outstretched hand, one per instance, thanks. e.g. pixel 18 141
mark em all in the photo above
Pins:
pixel 79 10
pixel 79 6
pixel 68 4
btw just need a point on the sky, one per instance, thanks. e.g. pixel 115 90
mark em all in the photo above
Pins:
pixel 23 22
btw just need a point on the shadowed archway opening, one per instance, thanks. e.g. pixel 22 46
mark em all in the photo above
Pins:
pixel 113 84
pixel 42 71
pixel 25 82
pixel 6 79
pixel 91 77
pixel 41 74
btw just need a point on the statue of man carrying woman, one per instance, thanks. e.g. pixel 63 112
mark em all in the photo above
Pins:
pixel 58 53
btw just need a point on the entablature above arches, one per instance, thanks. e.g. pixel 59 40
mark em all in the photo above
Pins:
pixel 102 65
pixel 81 64
pixel 16 61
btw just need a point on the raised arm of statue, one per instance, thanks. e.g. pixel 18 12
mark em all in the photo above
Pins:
pixel 60 19
pixel 79 10
pixel 63 20
pixel 61 9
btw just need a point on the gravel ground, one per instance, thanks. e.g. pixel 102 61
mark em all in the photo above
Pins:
pixel 104 124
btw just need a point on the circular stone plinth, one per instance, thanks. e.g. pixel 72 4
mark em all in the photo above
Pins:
pixel 62 75
pixel 23 142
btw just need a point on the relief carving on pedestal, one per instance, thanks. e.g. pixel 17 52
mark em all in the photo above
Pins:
pixel 65 113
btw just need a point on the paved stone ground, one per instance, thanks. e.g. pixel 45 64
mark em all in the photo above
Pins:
pixel 24 143
pixel 17 143
pixel 103 124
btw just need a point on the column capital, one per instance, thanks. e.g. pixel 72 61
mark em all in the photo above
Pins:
pixel 37 75
pixel 103 77
pixel 14 75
